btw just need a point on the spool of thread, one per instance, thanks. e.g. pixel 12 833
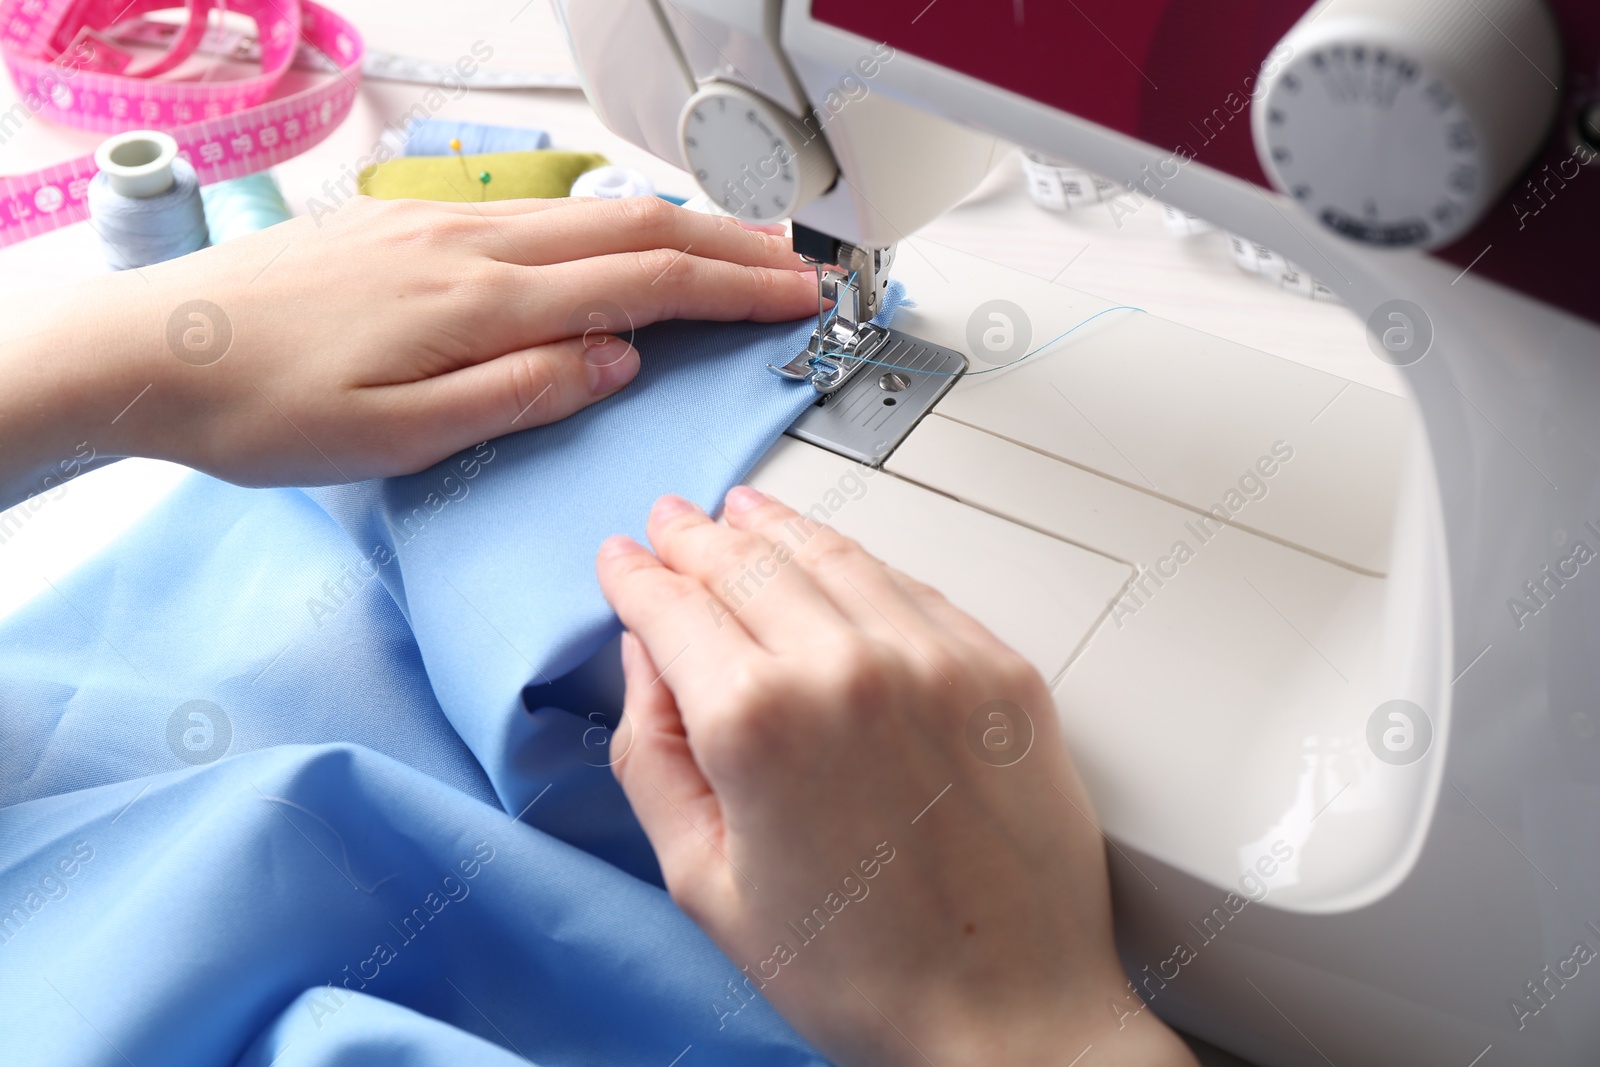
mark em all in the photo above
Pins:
pixel 240 206
pixel 613 183
pixel 432 137
pixel 145 201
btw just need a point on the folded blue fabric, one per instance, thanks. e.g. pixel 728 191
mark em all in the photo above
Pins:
pixel 254 760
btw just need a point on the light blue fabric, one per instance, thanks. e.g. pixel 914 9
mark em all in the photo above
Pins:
pixel 371 712
pixel 432 137
pixel 345 1030
pixel 201 903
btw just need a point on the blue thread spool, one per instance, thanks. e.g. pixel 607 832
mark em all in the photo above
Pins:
pixel 432 137
pixel 145 201
pixel 241 206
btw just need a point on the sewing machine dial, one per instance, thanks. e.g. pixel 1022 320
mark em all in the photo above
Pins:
pixel 1396 131
pixel 1375 147
pixel 752 157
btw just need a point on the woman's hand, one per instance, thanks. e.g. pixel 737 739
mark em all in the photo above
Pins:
pixel 376 343
pixel 865 800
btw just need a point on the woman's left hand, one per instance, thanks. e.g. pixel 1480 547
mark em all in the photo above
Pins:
pixel 374 341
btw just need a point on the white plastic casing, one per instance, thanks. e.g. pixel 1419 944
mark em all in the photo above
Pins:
pixel 631 68
pixel 1396 123
pixel 735 42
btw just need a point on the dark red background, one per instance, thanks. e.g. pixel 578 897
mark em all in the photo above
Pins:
pixel 1156 70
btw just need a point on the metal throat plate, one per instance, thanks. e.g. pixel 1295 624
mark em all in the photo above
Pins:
pixel 873 412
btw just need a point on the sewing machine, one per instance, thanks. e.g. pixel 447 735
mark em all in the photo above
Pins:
pixel 1324 655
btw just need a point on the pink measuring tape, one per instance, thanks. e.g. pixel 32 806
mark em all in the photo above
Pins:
pixel 67 66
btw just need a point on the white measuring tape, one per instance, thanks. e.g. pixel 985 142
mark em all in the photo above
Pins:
pixel 1059 186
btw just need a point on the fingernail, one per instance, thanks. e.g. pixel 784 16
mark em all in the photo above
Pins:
pixel 611 365
pixel 672 505
pixel 617 545
pixel 742 498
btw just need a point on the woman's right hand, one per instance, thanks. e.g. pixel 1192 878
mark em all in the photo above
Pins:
pixel 864 798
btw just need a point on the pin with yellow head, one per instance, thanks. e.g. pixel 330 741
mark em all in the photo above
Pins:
pixel 455 146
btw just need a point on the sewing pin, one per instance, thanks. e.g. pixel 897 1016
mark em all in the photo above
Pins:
pixel 455 146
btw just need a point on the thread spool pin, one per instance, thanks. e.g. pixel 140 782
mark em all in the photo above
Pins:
pixel 137 163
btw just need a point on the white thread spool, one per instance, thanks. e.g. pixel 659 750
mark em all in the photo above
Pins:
pixel 145 200
pixel 613 183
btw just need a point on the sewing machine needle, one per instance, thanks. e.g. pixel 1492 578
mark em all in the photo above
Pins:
pixel 822 321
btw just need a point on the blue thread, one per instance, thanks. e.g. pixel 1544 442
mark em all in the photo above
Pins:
pixel 1013 363
pixel 138 231
pixel 971 373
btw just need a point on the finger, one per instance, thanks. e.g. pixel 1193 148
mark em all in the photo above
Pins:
pixel 529 205
pixel 766 227
pixel 529 306
pixel 684 628
pixel 582 229
pixel 512 392
pixel 497 209
pixel 656 285
pixel 858 585
pixel 672 799
pixel 755 577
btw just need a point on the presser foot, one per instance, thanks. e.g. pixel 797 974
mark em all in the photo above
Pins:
pixel 847 299
pixel 833 357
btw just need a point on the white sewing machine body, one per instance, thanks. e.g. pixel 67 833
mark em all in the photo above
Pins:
pixel 1228 564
